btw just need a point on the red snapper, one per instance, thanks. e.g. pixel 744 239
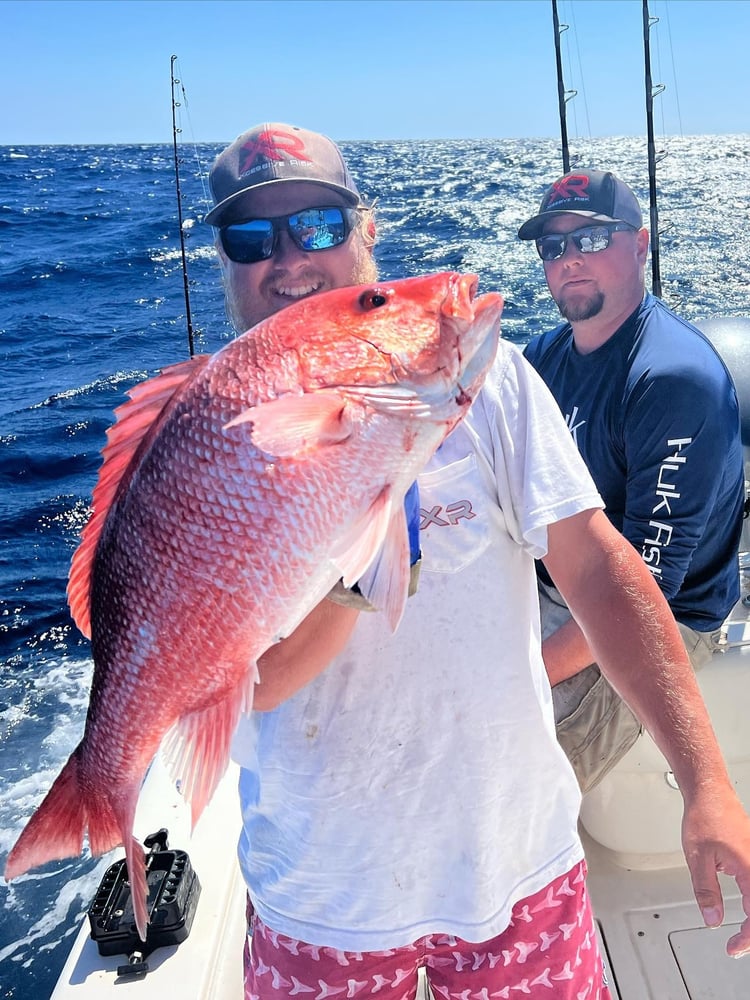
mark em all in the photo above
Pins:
pixel 236 489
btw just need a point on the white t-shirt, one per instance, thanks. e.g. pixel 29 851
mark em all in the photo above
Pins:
pixel 416 786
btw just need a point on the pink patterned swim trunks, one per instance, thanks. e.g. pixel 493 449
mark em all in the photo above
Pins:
pixel 549 951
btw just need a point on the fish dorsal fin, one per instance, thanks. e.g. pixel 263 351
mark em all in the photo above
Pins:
pixel 134 420
pixel 290 425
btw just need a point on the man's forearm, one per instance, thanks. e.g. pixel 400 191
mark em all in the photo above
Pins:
pixel 635 640
pixel 293 662
pixel 566 652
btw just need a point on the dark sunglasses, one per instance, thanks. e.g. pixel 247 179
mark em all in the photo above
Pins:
pixel 311 229
pixel 590 239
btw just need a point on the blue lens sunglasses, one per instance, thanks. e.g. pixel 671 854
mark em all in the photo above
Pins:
pixel 311 229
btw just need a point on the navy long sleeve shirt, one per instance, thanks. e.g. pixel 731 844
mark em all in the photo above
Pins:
pixel 655 416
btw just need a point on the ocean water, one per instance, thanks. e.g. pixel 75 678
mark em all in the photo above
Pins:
pixel 92 302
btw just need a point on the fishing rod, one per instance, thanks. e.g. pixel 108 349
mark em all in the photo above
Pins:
pixel 563 95
pixel 651 93
pixel 185 282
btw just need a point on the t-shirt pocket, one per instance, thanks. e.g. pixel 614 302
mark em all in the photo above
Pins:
pixel 455 523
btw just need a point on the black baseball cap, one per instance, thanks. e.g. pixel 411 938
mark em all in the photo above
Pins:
pixel 597 195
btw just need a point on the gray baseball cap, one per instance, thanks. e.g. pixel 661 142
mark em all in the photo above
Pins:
pixel 275 154
pixel 597 195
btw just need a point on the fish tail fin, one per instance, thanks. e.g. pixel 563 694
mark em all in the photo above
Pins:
pixel 57 827
pixel 111 822
pixel 136 862
pixel 65 814
pixel 197 749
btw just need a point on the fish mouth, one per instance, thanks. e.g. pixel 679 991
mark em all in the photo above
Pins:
pixel 468 340
pixel 459 301
pixel 473 324
pixel 443 377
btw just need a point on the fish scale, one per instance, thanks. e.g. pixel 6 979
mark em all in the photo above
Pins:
pixel 235 491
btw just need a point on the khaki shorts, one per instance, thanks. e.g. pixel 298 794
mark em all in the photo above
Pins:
pixel 595 727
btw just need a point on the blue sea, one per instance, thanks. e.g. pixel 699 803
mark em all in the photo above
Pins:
pixel 93 302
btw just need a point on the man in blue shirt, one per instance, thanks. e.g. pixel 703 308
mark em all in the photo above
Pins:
pixel 655 416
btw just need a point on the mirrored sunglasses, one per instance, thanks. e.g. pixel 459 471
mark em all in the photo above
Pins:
pixel 311 229
pixel 590 239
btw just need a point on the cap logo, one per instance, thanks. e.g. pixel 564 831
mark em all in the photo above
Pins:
pixel 569 189
pixel 270 145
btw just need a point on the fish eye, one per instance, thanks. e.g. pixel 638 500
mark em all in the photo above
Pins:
pixel 374 298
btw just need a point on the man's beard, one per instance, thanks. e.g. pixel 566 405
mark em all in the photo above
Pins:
pixel 365 270
pixel 576 308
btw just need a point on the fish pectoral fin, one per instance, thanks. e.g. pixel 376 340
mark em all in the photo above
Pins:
pixel 355 550
pixel 135 419
pixel 385 583
pixel 375 555
pixel 196 749
pixel 292 424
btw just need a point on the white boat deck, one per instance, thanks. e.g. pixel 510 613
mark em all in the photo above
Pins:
pixel 655 944
pixel 208 964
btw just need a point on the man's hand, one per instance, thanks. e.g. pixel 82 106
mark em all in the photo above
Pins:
pixel 716 838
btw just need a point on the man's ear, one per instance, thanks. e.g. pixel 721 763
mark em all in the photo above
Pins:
pixel 642 244
pixel 370 233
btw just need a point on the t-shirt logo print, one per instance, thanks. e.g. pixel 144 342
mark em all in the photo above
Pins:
pixel 570 420
pixel 271 145
pixel 572 188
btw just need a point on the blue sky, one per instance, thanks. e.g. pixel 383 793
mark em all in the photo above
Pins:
pixel 88 72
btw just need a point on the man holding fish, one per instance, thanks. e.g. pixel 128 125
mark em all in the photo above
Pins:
pixel 653 411
pixel 403 797
pixel 405 801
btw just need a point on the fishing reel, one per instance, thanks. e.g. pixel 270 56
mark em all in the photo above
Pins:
pixel 173 893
